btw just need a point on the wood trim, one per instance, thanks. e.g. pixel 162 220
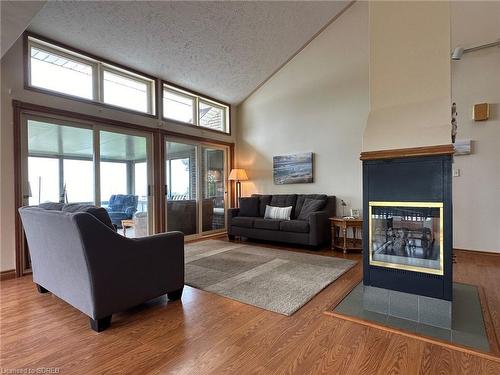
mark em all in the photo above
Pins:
pixel 89 101
pixel 159 178
pixel 408 152
pixel 231 188
pixel 7 275
pixel 485 252
pixel 18 197
pixel 111 122
pixel 492 339
pixel 193 126
pixel 488 322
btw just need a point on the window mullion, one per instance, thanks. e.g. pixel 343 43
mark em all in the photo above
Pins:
pixel 197 111
pixel 99 83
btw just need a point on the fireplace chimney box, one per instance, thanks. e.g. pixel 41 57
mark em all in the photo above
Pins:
pixel 407 237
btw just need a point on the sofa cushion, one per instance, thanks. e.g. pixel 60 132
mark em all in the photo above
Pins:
pixel 270 224
pixel 242 221
pixel 302 197
pixel 249 207
pixel 264 200
pixel 296 226
pixel 284 200
pixel 98 212
pixel 310 206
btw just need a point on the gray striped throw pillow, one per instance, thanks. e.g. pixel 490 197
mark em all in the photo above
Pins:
pixel 282 213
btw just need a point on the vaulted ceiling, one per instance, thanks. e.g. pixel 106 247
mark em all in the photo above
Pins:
pixel 222 49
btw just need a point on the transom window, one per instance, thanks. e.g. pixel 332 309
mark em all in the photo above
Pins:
pixel 59 70
pixel 183 106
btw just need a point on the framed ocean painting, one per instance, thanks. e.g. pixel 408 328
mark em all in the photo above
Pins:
pixel 293 169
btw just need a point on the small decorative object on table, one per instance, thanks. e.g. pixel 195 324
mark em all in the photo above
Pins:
pixel 344 205
pixel 355 212
pixel 340 240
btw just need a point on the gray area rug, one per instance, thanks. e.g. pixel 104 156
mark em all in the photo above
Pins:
pixel 277 280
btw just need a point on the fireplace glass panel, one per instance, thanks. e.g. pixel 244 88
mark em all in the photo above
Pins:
pixel 407 235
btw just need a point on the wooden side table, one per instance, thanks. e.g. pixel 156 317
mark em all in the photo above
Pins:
pixel 340 240
pixel 129 223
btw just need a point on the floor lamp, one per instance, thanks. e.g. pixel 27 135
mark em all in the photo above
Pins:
pixel 238 175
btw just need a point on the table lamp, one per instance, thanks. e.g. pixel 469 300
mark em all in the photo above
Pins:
pixel 238 175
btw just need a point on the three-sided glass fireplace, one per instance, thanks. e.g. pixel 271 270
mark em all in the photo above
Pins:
pixel 407 236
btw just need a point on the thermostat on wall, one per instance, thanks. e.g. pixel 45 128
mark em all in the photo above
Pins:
pixel 481 112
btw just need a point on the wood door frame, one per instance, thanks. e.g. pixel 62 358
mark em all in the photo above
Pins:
pixel 158 159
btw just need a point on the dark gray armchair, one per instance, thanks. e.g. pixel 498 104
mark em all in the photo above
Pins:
pixel 86 263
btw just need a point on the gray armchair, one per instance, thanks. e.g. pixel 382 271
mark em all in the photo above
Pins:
pixel 86 263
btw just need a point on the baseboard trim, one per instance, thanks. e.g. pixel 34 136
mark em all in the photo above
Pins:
pixel 485 252
pixel 6 275
pixel 207 237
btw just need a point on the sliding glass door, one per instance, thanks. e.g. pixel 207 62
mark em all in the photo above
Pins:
pixel 195 187
pixel 181 187
pixel 214 189
pixel 72 162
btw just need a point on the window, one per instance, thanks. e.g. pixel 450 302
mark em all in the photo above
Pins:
pixel 180 184
pixel 79 180
pixel 57 71
pixel 126 91
pixel 188 108
pixel 212 116
pixel 60 70
pixel 113 180
pixel 43 177
pixel 178 106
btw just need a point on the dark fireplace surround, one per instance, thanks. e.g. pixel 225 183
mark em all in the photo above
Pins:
pixel 402 181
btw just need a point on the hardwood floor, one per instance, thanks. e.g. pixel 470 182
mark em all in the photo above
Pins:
pixel 208 334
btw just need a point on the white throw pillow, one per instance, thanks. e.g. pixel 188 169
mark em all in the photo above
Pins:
pixel 282 213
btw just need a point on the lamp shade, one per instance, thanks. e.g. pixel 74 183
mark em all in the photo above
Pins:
pixel 238 175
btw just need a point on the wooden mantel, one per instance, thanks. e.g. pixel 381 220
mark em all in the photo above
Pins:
pixel 408 152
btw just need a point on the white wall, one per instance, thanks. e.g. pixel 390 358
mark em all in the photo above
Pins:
pixel 317 102
pixel 410 85
pixel 476 79
pixel 12 88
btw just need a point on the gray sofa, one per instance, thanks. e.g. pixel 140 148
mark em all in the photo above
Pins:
pixel 314 231
pixel 79 257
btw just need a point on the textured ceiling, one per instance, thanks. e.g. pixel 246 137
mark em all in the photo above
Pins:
pixel 222 49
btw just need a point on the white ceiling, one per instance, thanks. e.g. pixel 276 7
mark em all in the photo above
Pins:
pixel 222 49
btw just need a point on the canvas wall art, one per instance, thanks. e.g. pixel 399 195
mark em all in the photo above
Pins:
pixel 293 169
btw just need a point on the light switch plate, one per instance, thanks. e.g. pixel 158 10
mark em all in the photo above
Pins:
pixel 456 172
